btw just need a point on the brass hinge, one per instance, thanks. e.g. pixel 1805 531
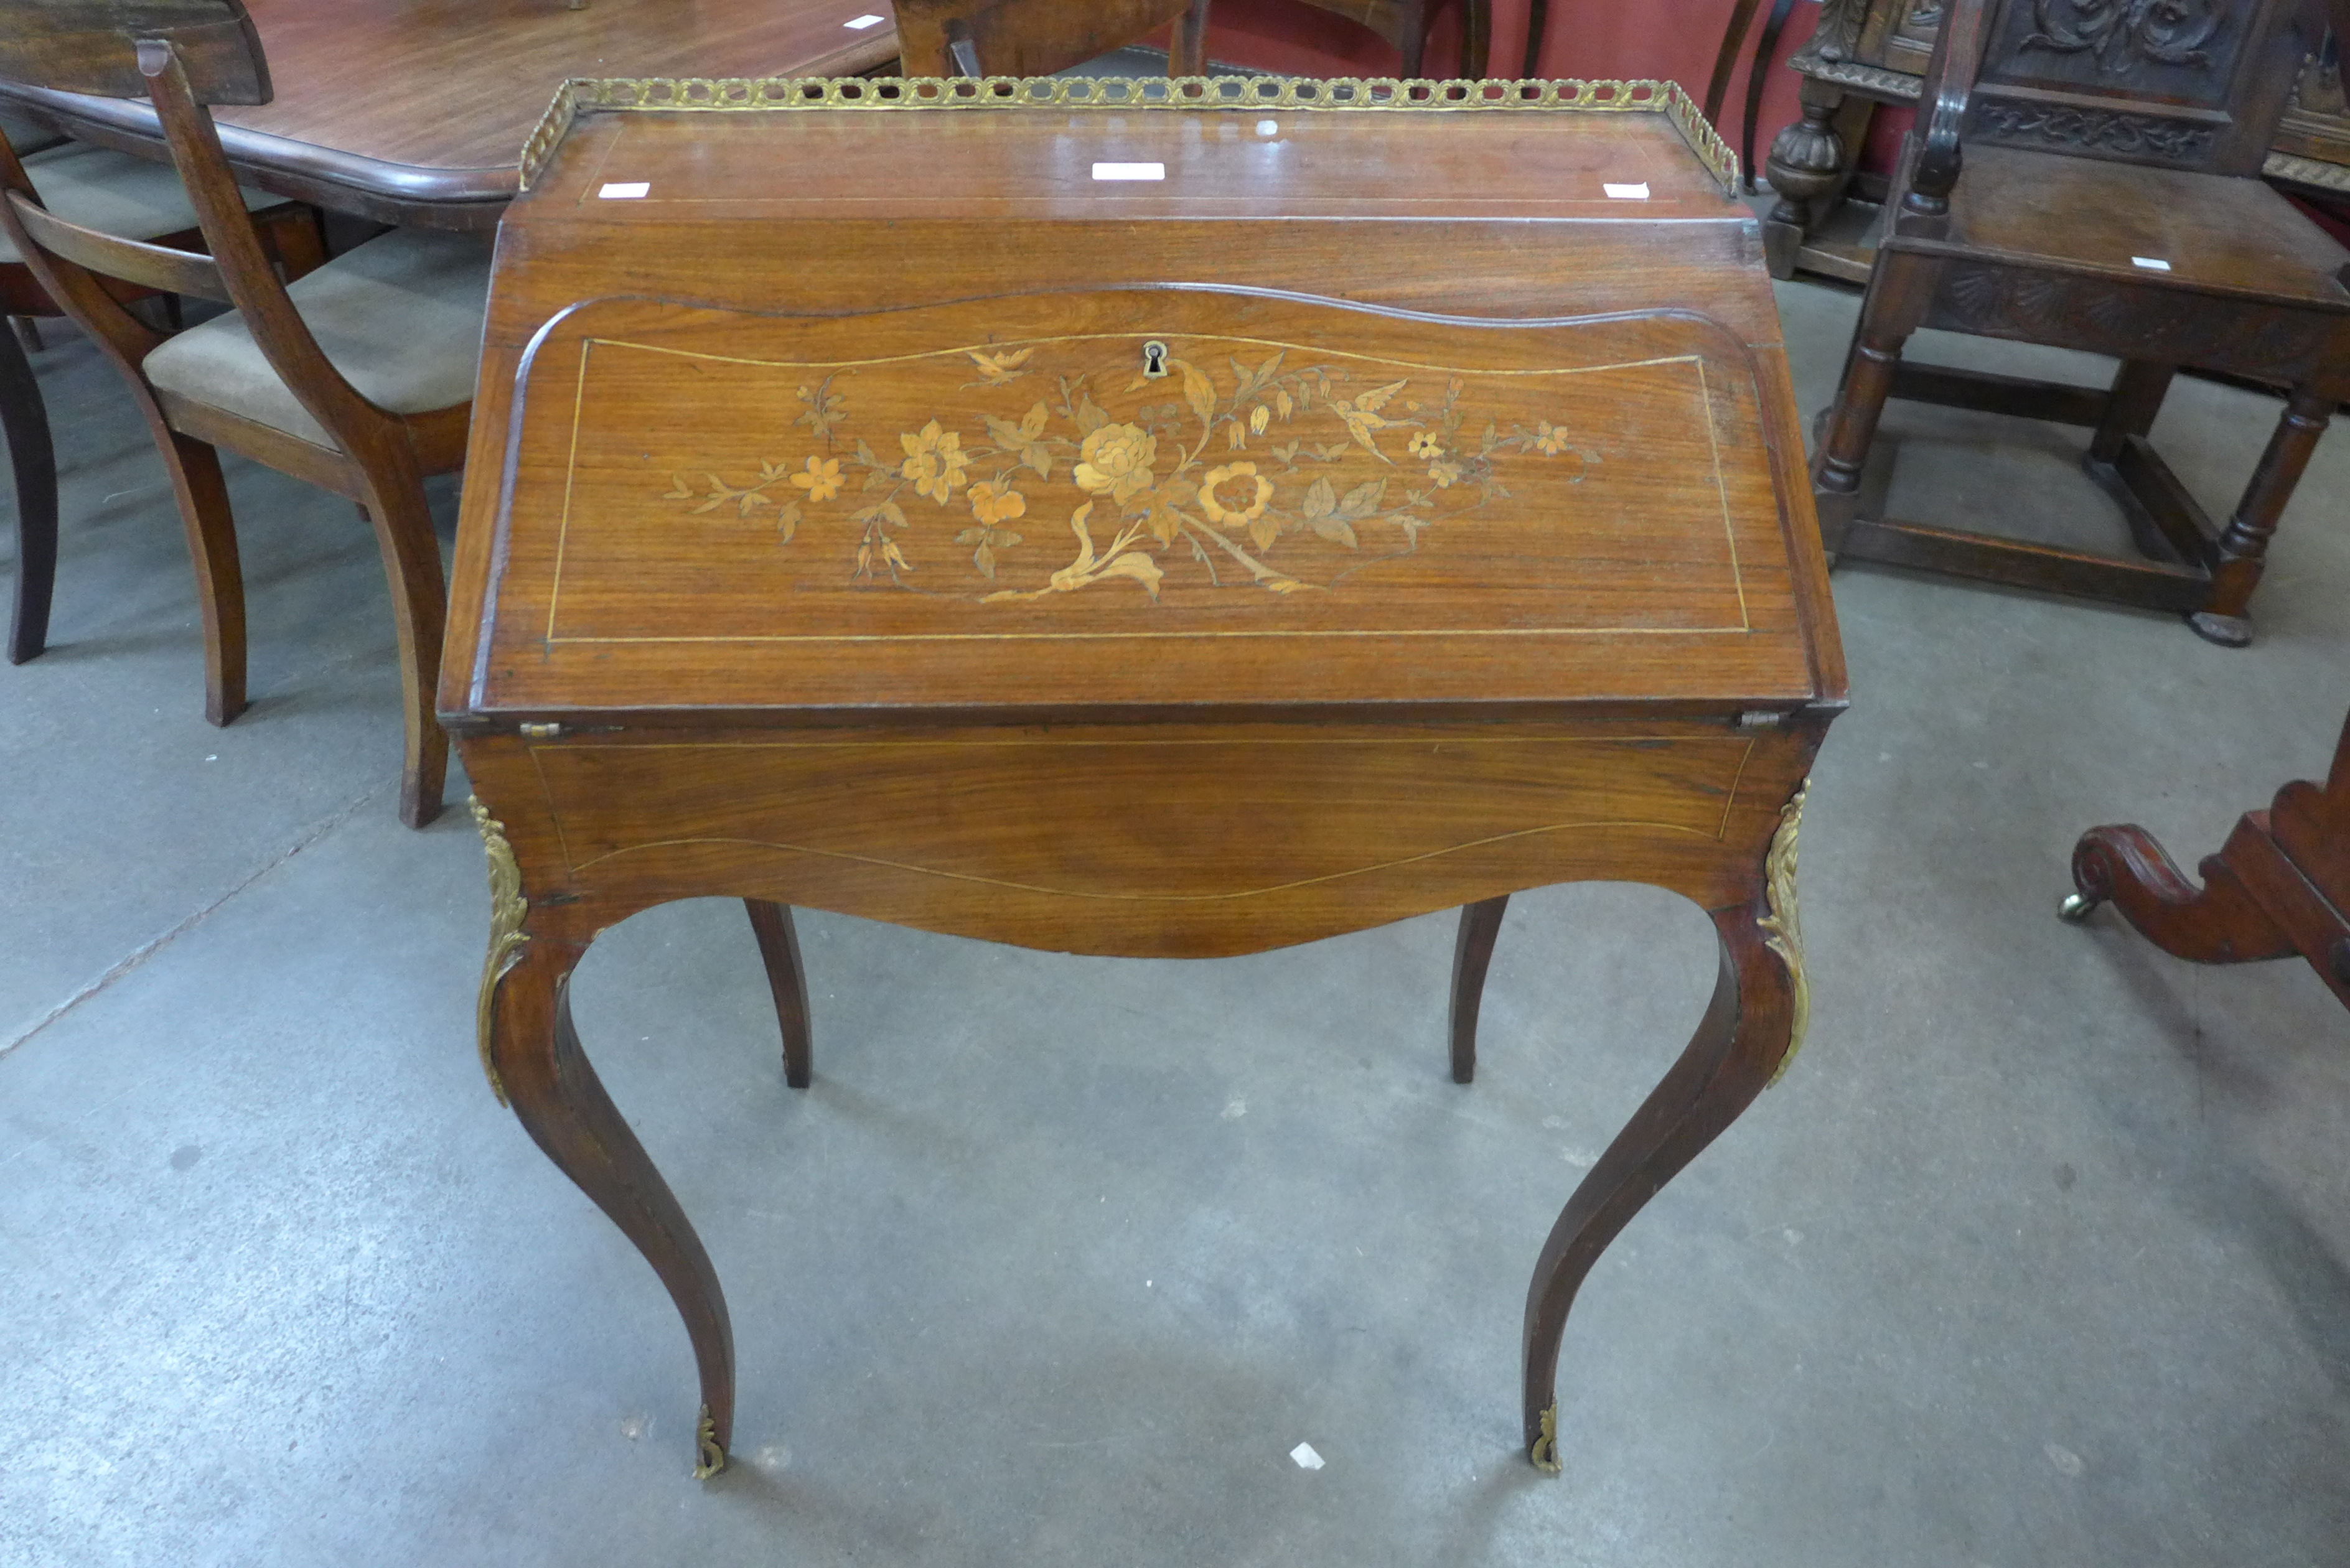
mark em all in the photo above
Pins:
pixel 540 732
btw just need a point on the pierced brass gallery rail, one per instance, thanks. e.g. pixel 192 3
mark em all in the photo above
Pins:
pixel 1311 94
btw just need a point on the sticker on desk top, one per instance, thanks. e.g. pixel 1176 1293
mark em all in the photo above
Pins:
pixel 625 190
pixel 1129 171
pixel 860 23
pixel 2150 264
pixel 1639 192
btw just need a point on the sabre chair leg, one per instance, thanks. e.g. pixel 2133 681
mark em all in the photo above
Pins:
pixel 2244 546
pixel 2218 922
pixel 419 602
pixel 25 420
pixel 535 1052
pixel 1472 952
pixel 779 950
pixel 202 497
pixel 1746 1032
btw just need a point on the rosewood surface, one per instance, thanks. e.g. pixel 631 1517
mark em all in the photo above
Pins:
pixel 416 110
pixel 1371 516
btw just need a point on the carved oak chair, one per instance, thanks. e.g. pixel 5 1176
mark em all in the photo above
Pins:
pixel 357 378
pixel 2087 176
pixel 117 194
pixel 1038 37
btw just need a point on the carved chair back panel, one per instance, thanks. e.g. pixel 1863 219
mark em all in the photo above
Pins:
pixel 2183 84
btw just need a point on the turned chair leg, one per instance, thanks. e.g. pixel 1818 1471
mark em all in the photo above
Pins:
pixel 1187 44
pixel 1896 303
pixel 2245 546
pixel 26 422
pixel 779 949
pixel 2139 388
pixel 1472 953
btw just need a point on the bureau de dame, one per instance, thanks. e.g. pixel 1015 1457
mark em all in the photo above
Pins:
pixel 1155 519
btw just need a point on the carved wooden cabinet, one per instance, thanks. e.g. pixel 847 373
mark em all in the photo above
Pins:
pixel 1865 53
pixel 1147 519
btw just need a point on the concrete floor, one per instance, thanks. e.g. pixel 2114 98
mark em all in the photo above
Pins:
pixel 2037 1257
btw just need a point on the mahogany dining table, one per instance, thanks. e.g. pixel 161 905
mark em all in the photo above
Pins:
pixel 415 111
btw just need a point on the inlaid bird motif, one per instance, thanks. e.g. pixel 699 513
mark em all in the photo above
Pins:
pixel 1362 417
pixel 1000 369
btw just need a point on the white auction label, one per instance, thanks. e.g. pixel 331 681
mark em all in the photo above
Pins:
pixel 1639 192
pixel 624 191
pixel 2150 264
pixel 861 22
pixel 1129 171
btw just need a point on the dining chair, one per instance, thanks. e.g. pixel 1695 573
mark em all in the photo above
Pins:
pixel 1406 24
pixel 2086 175
pixel 1038 37
pixel 117 194
pixel 357 378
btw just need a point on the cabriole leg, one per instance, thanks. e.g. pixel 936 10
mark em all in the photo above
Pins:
pixel 556 1096
pixel 779 949
pixel 1750 1031
pixel 1472 953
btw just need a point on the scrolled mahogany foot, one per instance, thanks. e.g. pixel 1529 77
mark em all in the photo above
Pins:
pixel 2215 923
pixel 1748 1030
pixel 535 1054
pixel 2226 630
pixel 1472 954
pixel 779 950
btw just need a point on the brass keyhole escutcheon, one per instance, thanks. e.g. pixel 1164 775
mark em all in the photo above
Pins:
pixel 1154 358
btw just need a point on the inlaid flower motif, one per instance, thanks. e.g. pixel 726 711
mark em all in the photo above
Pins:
pixel 992 503
pixel 934 461
pixel 821 479
pixel 1446 474
pixel 1549 440
pixel 1222 509
pixel 1259 418
pixel 1118 459
pixel 1427 444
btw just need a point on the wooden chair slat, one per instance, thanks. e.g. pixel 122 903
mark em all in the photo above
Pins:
pixel 159 267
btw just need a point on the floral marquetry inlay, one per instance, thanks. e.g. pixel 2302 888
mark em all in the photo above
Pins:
pixel 1269 469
